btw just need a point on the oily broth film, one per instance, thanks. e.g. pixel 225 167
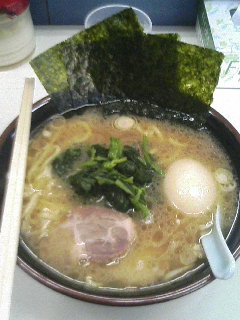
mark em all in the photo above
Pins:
pixel 163 249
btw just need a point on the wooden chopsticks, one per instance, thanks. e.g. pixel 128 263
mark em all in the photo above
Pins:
pixel 11 214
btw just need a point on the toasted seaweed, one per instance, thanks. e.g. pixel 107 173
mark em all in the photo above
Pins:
pixel 198 71
pixel 51 70
pixel 115 60
pixel 77 52
pixel 81 85
pixel 50 66
pixel 156 69
pixel 143 109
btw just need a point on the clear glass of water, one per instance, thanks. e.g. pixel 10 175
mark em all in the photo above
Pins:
pixel 103 12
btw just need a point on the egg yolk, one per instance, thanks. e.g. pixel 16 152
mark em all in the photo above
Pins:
pixel 190 186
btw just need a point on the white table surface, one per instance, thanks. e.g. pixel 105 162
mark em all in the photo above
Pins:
pixel 33 301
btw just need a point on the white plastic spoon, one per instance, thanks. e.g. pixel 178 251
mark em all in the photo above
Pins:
pixel 218 254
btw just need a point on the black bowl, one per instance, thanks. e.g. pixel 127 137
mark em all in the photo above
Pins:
pixel 197 278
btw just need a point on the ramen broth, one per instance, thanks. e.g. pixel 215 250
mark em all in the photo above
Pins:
pixel 165 247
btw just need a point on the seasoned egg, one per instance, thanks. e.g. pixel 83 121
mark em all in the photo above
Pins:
pixel 189 186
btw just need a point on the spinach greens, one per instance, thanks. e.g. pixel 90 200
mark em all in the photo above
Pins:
pixel 120 174
pixel 64 162
pixel 149 158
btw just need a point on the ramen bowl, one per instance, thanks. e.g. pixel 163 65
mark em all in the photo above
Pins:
pixel 191 281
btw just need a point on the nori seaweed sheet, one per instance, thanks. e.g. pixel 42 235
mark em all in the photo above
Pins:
pixel 194 120
pixel 116 60
pixel 156 69
pixel 80 82
pixel 51 68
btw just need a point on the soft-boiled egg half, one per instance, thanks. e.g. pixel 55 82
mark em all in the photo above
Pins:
pixel 189 186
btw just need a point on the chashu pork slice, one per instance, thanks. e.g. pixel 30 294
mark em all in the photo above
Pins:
pixel 94 234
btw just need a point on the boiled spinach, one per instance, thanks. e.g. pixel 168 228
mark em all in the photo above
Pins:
pixel 120 174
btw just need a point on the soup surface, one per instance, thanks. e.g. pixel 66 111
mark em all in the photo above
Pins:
pixel 164 246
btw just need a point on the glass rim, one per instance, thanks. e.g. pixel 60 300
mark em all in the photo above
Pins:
pixel 147 28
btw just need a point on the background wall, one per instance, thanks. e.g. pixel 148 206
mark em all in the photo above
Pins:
pixel 161 12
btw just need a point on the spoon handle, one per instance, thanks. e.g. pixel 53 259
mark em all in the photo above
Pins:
pixel 219 256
